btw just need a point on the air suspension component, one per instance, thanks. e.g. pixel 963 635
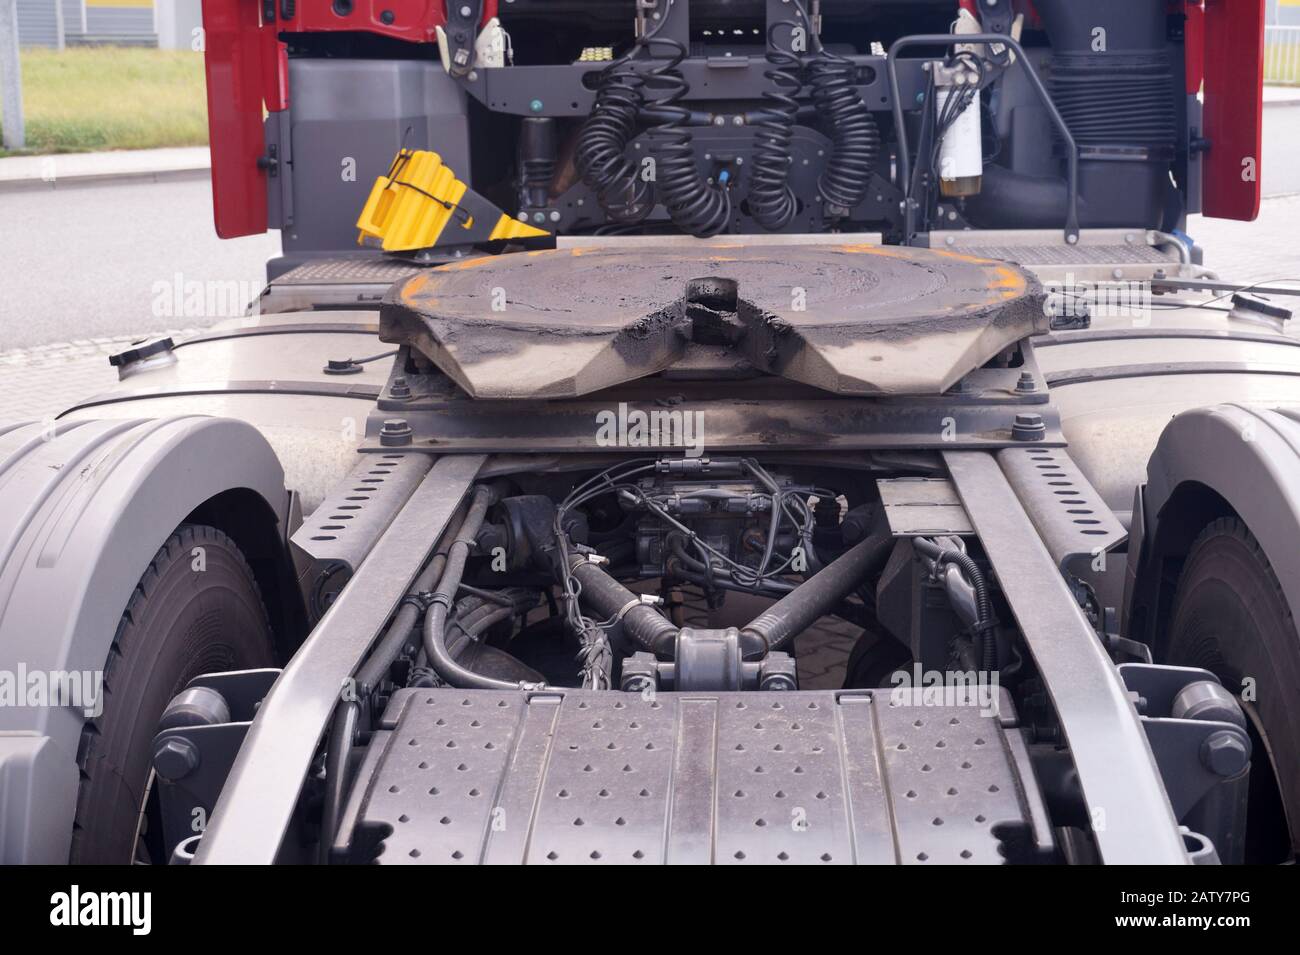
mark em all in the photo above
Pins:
pixel 537 151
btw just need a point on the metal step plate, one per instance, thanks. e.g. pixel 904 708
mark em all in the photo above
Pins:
pixel 357 281
pixel 585 777
pixel 1100 255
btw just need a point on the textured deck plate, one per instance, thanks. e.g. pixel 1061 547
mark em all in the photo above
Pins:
pixel 850 319
pixel 588 777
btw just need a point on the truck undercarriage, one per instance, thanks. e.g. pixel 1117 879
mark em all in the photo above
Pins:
pixel 772 461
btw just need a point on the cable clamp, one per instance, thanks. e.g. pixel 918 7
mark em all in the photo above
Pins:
pixel 421 601
pixel 641 600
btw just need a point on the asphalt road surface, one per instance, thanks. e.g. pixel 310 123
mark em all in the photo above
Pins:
pixel 103 261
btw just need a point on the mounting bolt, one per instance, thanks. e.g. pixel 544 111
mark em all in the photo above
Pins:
pixel 1028 427
pixel 399 389
pixel 395 432
pixel 1225 753
pixel 1026 383
pixel 175 758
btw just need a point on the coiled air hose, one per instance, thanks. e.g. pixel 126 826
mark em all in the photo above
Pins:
pixel 772 202
pixel 855 141
pixel 601 150
pixel 697 206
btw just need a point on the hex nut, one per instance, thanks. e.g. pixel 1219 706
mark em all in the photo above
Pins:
pixel 175 758
pixel 1225 753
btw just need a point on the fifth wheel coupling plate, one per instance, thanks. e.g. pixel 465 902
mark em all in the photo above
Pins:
pixel 849 319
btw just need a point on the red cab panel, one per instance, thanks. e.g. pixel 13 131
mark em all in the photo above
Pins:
pixel 1234 108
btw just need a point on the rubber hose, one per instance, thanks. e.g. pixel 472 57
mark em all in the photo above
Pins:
pixel 983 600
pixel 798 610
pixel 609 598
pixel 435 620
pixel 390 644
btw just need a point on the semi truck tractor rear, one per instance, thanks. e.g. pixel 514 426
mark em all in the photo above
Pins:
pixel 687 431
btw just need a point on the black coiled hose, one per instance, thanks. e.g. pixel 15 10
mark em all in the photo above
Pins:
pixel 695 205
pixel 855 141
pixel 772 202
pixel 602 145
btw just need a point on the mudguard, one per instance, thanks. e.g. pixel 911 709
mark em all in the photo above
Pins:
pixel 1210 462
pixel 85 507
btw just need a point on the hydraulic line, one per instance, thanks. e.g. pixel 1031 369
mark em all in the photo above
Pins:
pixel 855 141
pixel 435 620
pixel 369 675
pixel 376 666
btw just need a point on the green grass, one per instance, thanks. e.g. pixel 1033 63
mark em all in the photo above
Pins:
pixel 93 98
pixel 1281 64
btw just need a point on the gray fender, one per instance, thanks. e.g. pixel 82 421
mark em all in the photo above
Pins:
pixel 1208 463
pixel 84 507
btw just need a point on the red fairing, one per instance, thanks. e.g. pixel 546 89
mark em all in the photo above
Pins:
pixel 248 71
pixel 234 63
pixel 1234 108
pixel 413 20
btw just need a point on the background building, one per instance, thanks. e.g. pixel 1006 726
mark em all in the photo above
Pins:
pixel 169 24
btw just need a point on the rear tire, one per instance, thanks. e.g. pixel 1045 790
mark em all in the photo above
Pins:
pixel 1230 617
pixel 197 609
